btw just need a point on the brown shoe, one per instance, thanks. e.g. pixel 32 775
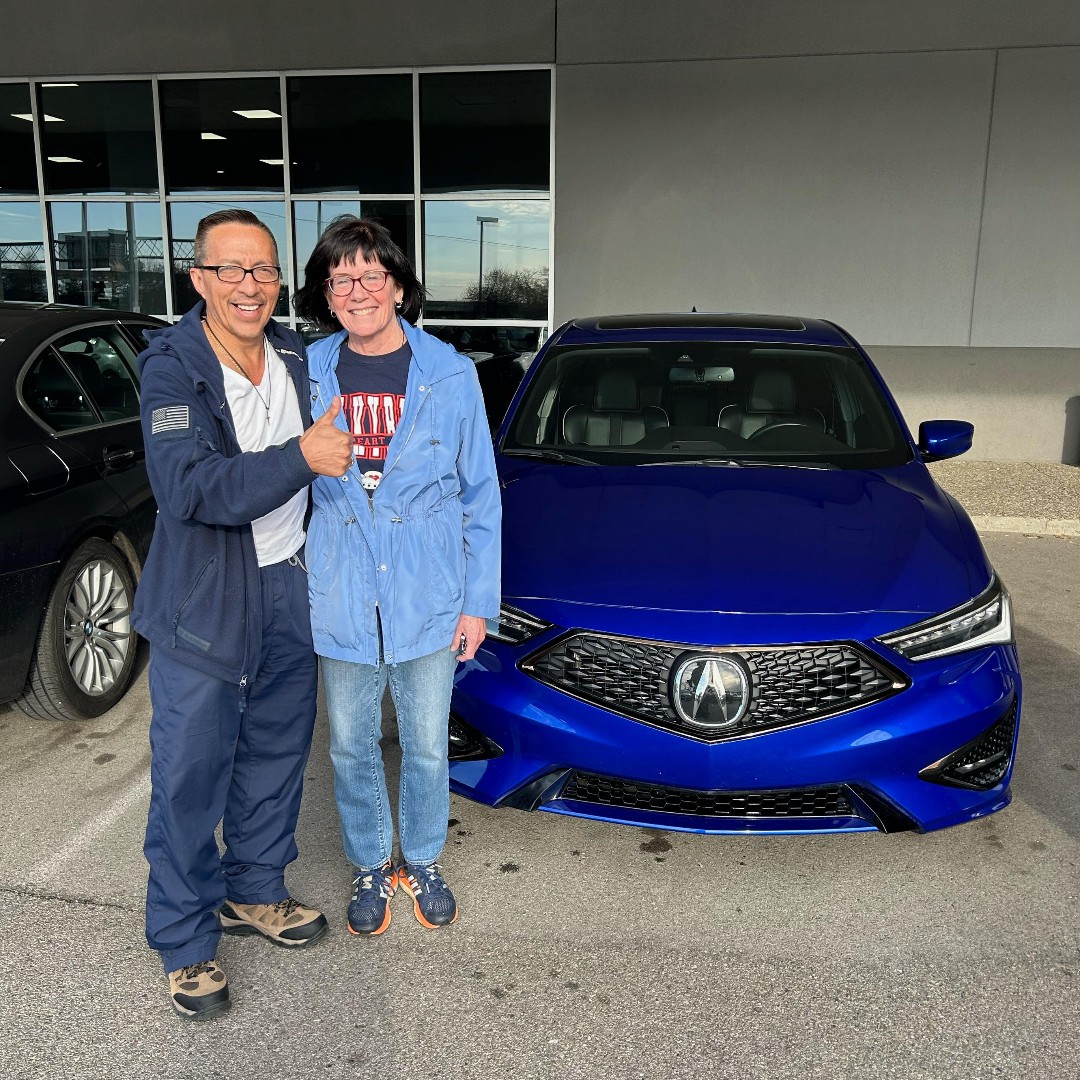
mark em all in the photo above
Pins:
pixel 288 922
pixel 199 991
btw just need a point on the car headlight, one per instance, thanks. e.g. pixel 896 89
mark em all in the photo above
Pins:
pixel 514 626
pixel 986 620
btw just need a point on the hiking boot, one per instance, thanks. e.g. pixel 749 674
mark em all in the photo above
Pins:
pixel 288 922
pixel 199 991
pixel 433 902
pixel 369 910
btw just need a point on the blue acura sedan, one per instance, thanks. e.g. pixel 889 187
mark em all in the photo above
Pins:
pixel 734 598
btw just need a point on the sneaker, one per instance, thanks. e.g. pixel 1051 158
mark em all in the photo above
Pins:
pixel 199 991
pixel 288 922
pixel 369 910
pixel 433 902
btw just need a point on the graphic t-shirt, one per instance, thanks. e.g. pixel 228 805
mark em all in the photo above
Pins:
pixel 372 397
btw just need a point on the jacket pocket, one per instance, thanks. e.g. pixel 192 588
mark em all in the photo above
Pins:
pixel 334 576
pixel 197 609
pixel 445 547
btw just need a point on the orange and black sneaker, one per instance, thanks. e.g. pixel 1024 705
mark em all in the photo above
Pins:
pixel 287 922
pixel 369 909
pixel 433 902
pixel 199 991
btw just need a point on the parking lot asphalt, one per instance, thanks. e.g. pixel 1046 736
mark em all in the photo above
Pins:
pixel 583 950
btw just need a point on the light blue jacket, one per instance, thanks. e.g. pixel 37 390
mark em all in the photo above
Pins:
pixel 426 549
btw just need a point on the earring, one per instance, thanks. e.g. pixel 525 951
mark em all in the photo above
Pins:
pixel 398 305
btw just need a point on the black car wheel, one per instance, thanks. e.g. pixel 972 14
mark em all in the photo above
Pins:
pixel 86 648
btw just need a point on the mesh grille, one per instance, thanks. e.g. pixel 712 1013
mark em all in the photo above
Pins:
pixel 983 763
pixel 787 685
pixel 610 791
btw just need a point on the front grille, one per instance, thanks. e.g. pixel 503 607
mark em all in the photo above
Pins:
pixel 787 684
pixel 794 803
pixel 981 763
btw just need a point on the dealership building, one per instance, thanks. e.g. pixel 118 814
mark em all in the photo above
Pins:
pixel 909 171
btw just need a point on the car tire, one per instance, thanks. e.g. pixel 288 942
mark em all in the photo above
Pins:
pixel 85 653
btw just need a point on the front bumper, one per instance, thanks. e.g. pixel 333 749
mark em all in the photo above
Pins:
pixel 868 769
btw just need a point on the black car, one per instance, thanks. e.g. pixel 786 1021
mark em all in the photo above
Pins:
pixel 76 510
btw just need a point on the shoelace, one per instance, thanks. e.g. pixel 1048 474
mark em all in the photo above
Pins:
pixel 366 883
pixel 194 970
pixel 286 907
pixel 427 877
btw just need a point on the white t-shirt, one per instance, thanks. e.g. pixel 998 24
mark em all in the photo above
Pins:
pixel 269 416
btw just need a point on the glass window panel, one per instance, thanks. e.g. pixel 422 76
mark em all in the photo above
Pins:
pixel 22 253
pixel 101 140
pixel 18 173
pixel 184 219
pixel 54 396
pixel 486 259
pixel 109 255
pixel 310 218
pixel 485 131
pixel 102 361
pixel 335 120
pixel 210 147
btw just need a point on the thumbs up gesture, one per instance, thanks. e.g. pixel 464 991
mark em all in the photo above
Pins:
pixel 327 449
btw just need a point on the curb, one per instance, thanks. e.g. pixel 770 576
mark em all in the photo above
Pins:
pixel 1028 525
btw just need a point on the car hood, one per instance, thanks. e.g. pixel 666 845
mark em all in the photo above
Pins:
pixel 738 541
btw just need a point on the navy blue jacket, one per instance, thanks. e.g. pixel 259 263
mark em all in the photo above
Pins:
pixel 199 595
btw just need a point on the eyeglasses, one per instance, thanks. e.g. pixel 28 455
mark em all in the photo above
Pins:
pixel 342 284
pixel 232 274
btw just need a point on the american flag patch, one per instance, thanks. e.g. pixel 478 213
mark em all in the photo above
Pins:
pixel 170 418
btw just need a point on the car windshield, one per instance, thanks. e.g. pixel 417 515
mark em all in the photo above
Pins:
pixel 708 403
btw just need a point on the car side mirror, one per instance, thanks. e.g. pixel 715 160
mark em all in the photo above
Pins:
pixel 939 439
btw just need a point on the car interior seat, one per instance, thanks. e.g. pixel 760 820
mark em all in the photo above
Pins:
pixel 771 401
pixel 616 418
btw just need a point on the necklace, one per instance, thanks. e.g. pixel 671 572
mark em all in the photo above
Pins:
pixel 243 371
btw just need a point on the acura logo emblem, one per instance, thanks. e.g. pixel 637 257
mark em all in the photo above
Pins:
pixel 711 692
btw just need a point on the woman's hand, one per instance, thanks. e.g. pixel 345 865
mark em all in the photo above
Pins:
pixel 470 633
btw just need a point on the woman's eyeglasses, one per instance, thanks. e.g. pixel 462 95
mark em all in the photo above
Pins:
pixel 342 284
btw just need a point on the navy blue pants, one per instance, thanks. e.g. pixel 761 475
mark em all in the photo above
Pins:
pixel 213 762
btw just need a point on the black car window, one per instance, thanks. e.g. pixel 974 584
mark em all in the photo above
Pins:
pixel 102 361
pixel 52 394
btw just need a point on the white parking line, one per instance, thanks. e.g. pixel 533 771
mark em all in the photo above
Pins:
pixel 60 859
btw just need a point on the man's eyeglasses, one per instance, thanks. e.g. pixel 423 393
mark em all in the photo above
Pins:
pixel 232 274
pixel 342 284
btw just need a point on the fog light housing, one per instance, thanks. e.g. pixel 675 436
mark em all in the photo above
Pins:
pixel 465 743
pixel 980 764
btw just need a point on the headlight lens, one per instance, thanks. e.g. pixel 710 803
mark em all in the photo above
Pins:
pixel 986 620
pixel 514 626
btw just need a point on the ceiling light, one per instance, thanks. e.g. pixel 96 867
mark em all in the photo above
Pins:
pixel 59 84
pixel 61 160
pixel 212 135
pixel 30 116
pixel 272 160
pixel 257 114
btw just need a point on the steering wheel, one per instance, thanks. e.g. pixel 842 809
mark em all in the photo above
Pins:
pixel 775 426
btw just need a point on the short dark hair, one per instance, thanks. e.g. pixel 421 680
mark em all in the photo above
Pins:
pixel 232 216
pixel 342 239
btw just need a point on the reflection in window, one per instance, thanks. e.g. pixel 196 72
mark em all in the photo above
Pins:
pixel 335 121
pixel 485 131
pixel 97 138
pixel 311 218
pixel 222 135
pixel 53 395
pixel 22 252
pixel 486 259
pixel 102 362
pixel 109 255
pixel 184 219
pixel 18 174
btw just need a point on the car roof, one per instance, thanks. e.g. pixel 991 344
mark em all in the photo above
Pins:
pixel 712 326
pixel 46 318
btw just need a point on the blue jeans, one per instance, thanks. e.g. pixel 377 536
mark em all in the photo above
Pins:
pixel 421 692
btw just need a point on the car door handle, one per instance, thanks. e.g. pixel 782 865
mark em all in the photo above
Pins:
pixel 117 456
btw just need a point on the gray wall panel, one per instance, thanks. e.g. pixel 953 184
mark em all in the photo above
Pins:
pixel 136 37
pixel 597 31
pixel 1024 403
pixel 844 187
pixel 1028 284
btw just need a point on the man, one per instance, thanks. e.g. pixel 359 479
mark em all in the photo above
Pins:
pixel 223 602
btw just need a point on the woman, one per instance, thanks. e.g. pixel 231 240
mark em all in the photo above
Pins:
pixel 403 557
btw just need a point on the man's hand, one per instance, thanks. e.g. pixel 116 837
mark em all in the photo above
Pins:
pixel 470 633
pixel 327 450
